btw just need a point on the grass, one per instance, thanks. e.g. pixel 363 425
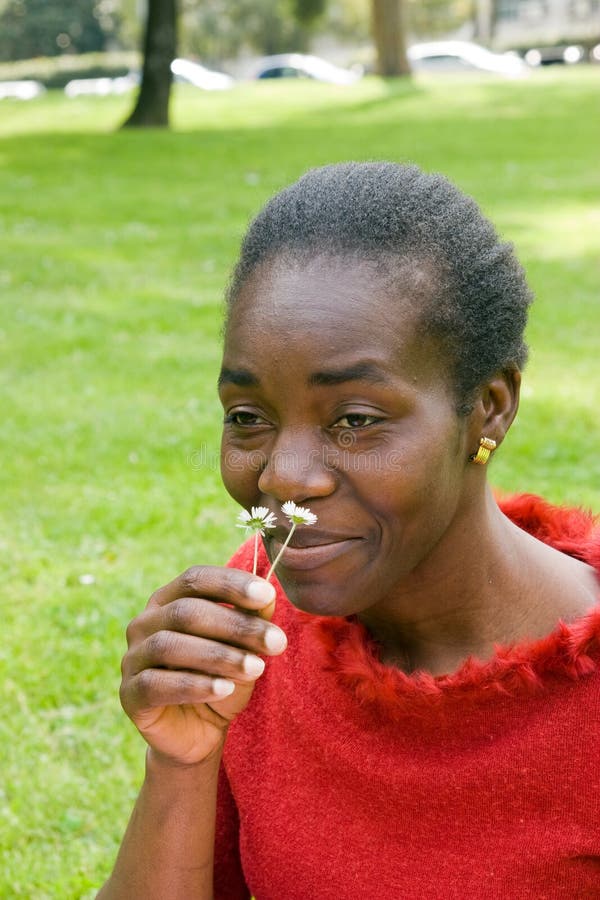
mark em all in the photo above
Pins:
pixel 116 248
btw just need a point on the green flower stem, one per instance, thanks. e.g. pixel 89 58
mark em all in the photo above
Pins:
pixel 278 557
pixel 255 553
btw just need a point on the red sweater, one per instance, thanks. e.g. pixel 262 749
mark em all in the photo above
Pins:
pixel 346 779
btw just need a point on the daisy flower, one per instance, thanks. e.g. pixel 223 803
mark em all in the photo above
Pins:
pixel 258 520
pixel 296 515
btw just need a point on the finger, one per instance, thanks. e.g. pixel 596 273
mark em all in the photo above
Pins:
pixel 205 619
pixel 170 649
pixel 153 688
pixel 217 583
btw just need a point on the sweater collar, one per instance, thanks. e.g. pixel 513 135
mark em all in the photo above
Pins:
pixel 345 648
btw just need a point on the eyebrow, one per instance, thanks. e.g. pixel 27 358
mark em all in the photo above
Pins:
pixel 240 377
pixel 360 372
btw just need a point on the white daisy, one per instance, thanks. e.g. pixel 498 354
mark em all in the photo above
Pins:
pixel 259 519
pixel 298 515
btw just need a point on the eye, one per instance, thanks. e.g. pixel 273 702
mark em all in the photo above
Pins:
pixel 356 420
pixel 243 419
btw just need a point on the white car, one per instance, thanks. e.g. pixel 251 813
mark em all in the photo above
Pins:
pixel 463 56
pixel 101 87
pixel 183 70
pixel 193 73
pixel 549 56
pixel 21 90
pixel 300 65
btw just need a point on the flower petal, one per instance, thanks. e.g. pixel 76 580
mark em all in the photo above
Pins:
pixel 258 519
pixel 298 515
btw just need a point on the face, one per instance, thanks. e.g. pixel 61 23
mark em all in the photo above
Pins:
pixel 334 399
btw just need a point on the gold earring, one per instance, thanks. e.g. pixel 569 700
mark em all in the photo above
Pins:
pixel 486 447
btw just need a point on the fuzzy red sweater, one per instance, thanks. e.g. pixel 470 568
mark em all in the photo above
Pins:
pixel 346 779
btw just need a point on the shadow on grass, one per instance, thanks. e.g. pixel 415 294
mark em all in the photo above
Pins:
pixel 500 160
pixel 396 89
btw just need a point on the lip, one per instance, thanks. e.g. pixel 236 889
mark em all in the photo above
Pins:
pixel 318 551
pixel 304 538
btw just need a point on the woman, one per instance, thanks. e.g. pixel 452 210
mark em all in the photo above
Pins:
pixel 427 722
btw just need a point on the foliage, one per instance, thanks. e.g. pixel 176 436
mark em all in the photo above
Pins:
pixel 429 19
pixel 30 28
pixel 217 29
pixel 56 71
pixel 348 20
pixel 116 250
pixel 213 30
pixel 307 11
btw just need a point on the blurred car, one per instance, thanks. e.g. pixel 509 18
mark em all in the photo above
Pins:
pixel 549 56
pixel 463 56
pixel 101 87
pixel 185 70
pixel 299 65
pixel 21 90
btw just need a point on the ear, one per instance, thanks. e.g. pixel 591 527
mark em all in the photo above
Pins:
pixel 495 407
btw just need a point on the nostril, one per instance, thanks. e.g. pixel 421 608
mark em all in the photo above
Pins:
pixel 296 475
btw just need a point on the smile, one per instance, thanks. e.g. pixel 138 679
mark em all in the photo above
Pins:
pixel 313 556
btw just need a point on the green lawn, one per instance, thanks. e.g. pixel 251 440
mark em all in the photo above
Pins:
pixel 115 250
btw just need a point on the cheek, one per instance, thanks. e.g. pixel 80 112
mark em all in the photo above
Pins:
pixel 419 493
pixel 240 472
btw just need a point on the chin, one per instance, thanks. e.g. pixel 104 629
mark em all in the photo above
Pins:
pixel 318 598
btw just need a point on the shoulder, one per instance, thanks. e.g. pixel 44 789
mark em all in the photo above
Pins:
pixel 571 530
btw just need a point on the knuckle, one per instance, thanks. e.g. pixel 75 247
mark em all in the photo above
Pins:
pixel 200 578
pixel 181 614
pixel 160 646
pixel 156 592
pixel 247 627
pixel 146 683
pixel 193 577
pixel 185 684
pixel 216 654
pixel 154 599
pixel 123 696
pixel 132 631
pixel 127 695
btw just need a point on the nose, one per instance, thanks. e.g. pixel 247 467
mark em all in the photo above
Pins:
pixel 296 469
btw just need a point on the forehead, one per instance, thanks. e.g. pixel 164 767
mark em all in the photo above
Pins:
pixel 347 297
pixel 306 316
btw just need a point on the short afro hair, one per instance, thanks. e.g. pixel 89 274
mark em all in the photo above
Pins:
pixel 399 214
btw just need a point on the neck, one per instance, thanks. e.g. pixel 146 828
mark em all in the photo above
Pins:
pixel 487 583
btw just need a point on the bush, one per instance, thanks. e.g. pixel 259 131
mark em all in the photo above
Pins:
pixel 48 27
pixel 56 71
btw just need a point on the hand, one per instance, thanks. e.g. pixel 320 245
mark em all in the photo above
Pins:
pixel 192 662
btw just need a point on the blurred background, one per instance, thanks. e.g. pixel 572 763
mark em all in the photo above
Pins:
pixel 53 43
pixel 136 141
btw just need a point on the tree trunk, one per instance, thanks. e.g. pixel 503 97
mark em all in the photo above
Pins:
pixel 485 21
pixel 160 47
pixel 389 34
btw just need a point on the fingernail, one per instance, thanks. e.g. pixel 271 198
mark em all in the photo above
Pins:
pixel 261 591
pixel 222 687
pixel 254 666
pixel 275 640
